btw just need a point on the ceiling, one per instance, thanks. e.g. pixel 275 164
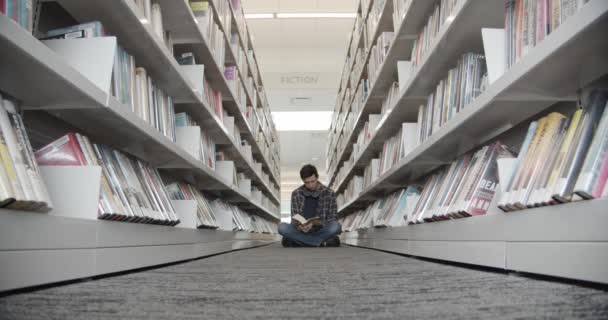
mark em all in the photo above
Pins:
pixel 289 49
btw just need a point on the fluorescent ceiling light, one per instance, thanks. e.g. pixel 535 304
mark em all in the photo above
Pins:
pixel 296 15
pixel 302 120
pixel 316 15
pixel 259 16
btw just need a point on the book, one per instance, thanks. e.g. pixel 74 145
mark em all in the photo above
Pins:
pixel 299 219
pixel 591 170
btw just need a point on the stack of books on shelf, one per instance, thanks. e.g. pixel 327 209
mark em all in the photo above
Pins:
pixel 427 36
pixel 211 31
pixel 361 219
pixel 152 13
pixel 399 146
pixel 371 172
pixel 205 217
pixel 239 16
pixel 392 210
pixel 399 10
pixel 378 53
pixel 562 159
pixel 366 134
pixel 241 220
pixel 373 18
pixel 207 148
pixel 455 92
pixel 21 184
pixel 234 83
pixel 354 188
pixel 131 190
pixel 20 11
pixel 463 189
pixel 240 56
pixel 212 97
pixel 130 84
pixel 527 23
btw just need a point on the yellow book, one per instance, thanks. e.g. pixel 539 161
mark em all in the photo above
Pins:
pixel 551 132
pixel 576 118
pixel 527 162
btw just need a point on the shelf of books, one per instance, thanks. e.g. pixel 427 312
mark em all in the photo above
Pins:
pixel 210 45
pixel 119 151
pixel 480 153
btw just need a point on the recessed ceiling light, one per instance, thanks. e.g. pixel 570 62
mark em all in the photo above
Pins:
pixel 300 15
pixel 302 120
pixel 259 16
pixel 316 15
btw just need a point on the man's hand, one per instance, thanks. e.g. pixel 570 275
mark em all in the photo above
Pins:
pixel 305 228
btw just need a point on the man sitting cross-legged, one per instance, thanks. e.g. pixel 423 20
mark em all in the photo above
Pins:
pixel 314 214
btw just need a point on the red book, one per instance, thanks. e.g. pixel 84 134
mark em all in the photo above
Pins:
pixel 64 151
pixel 3 6
pixel 600 184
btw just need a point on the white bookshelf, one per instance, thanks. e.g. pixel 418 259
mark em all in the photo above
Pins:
pixel 63 91
pixel 566 240
pixel 59 248
pixel 529 87
pixel 139 39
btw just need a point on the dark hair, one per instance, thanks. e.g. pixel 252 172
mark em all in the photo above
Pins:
pixel 308 171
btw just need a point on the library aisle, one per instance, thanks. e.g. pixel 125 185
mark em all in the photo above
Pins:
pixel 271 282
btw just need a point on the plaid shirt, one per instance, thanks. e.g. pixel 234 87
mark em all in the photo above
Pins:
pixel 327 209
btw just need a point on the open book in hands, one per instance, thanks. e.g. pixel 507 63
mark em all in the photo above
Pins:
pixel 306 225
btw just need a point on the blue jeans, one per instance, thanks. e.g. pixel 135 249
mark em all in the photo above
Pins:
pixel 313 239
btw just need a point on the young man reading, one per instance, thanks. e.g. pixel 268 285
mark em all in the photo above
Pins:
pixel 314 214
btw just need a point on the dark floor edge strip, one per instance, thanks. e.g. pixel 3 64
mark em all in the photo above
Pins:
pixel 41 287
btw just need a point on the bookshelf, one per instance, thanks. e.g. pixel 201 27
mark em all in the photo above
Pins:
pixel 65 248
pixel 60 249
pixel 552 240
pixel 140 40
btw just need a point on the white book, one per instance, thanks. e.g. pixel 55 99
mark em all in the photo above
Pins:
pixel 495 52
pixel 226 171
pixel 22 185
pixel 374 121
pixel 404 71
pixel 229 124
pixel 409 138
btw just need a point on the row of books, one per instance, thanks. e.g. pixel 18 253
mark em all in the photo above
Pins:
pixel 562 158
pixel 207 148
pixel 130 84
pixel 209 212
pixel 373 18
pixel 462 85
pixel 151 12
pixel 528 22
pixel 400 7
pixel 364 137
pixel 205 217
pixel 203 12
pixel 426 38
pixel 21 184
pixel 210 96
pixel 20 11
pixel 131 190
pixel 464 188
pixel 378 53
pixel 389 211
pixel 236 85
pixel 241 220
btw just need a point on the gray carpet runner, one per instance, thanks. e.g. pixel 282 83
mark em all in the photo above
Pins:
pixel 312 283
